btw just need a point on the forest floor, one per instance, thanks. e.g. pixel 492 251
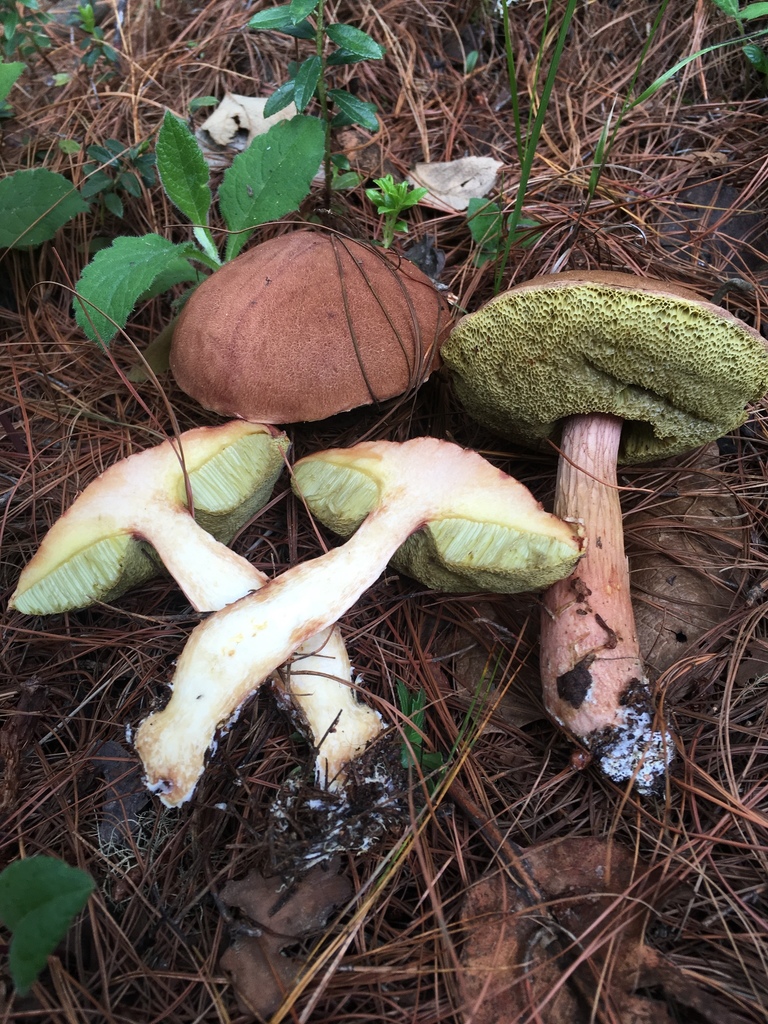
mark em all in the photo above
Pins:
pixel 527 887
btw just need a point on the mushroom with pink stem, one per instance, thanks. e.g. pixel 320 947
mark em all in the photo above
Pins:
pixel 136 513
pixel 475 515
pixel 613 367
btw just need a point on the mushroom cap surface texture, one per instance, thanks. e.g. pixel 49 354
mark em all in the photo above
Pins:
pixel 305 326
pixel 496 537
pixel 678 369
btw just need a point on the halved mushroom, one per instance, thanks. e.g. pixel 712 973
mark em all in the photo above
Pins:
pixel 305 326
pixel 608 365
pixel 136 512
pixel 405 487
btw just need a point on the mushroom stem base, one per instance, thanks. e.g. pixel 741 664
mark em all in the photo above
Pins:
pixel 593 677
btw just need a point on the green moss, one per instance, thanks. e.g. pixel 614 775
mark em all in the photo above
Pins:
pixel 678 373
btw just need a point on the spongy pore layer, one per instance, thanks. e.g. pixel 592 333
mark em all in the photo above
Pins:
pixel 679 370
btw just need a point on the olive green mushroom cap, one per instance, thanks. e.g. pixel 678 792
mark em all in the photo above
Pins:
pixel 678 369
pixel 497 538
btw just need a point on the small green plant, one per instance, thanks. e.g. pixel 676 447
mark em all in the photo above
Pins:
pixel 487 226
pixel 308 80
pixel 390 200
pixel 23 24
pixel 94 46
pixel 114 168
pixel 756 56
pixel 39 899
pixel 412 753
pixel 266 181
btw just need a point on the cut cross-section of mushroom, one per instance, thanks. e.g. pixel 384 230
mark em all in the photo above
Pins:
pixel 107 540
pixel 136 512
pixel 409 485
pixel 608 365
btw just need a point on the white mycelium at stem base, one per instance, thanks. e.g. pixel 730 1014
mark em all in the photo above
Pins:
pixel 229 654
pixel 593 676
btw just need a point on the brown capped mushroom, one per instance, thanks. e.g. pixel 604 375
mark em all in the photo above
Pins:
pixel 305 326
pixel 610 366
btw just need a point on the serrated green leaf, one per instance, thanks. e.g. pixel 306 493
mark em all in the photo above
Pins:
pixel 351 110
pixel 35 204
pixel 278 19
pixel 279 99
pixel 183 170
pixel 355 41
pixel 8 75
pixel 305 82
pixel 271 177
pixel 300 9
pixel 111 284
pixel 342 56
pixel 113 203
pixel 39 898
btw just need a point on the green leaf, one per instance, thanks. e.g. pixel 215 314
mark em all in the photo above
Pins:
pixel 485 221
pixel 756 57
pixel 97 181
pixel 353 111
pixel 8 75
pixel 35 204
pixel 729 7
pixel 355 41
pixel 342 56
pixel 278 19
pixel 300 9
pixel 305 82
pixel 111 284
pixel 39 898
pixel 69 146
pixel 271 177
pixel 183 170
pixel 130 183
pixel 201 101
pixel 754 11
pixel 113 203
pixel 279 99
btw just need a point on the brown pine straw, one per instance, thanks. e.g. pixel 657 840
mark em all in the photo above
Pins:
pixel 147 948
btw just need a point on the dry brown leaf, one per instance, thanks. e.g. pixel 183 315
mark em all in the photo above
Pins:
pixel 677 596
pixel 452 184
pixel 234 125
pixel 519 968
pixel 278 916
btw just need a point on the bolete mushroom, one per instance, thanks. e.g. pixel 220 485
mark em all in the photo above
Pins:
pixel 136 511
pixel 405 486
pixel 609 366
pixel 305 326
pixel 106 542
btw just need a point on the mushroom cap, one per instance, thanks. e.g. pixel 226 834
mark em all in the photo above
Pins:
pixel 98 550
pixel 305 326
pixel 495 536
pixel 678 369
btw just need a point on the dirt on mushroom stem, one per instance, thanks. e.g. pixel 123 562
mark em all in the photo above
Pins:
pixel 593 677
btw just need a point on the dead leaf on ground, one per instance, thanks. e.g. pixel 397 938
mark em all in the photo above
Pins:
pixel 278 916
pixel 452 184
pixel 675 589
pixel 234 125
pixel 516 966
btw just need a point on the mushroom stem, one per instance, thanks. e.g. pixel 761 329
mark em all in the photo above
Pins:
pixel 594 680
pixel 231 653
